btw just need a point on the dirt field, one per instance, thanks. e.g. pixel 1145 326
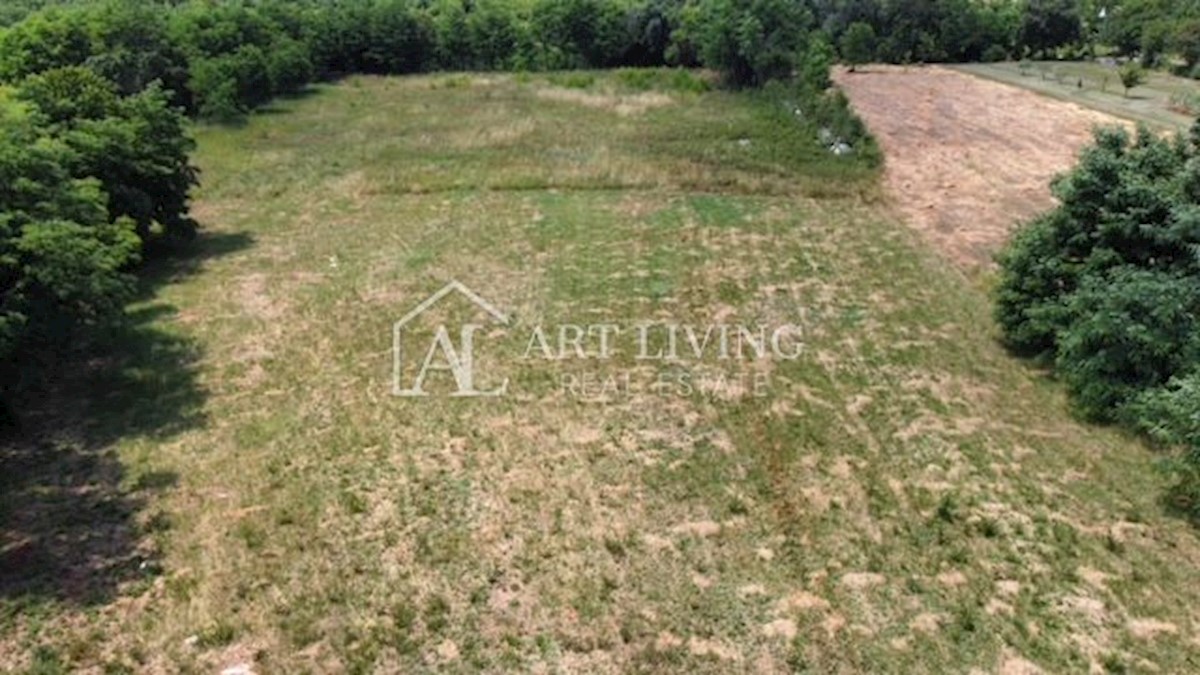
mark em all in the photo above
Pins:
pixel 967 158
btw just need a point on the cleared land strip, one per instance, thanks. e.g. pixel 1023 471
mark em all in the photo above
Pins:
pixel 967 158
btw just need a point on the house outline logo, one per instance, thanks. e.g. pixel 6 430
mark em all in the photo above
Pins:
pixel 458 361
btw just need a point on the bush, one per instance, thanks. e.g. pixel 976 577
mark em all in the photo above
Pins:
pixel 579 34
pixel 1170 416
pixel 289 67
pixel 62 261
pixel 135 146
pixel 750 41
pixel 1107 286
pixel 494 35
pixel 1122 205
pixel 858 44
pixel 45 40
pixel 1131 74
pixel 399 39
pixel 132 47
pixel 1125 333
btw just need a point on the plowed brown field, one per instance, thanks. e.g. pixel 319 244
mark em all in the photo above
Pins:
pixel 967 158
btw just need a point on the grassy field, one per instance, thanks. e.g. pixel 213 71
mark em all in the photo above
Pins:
pixel 1101 89
pixel 244 489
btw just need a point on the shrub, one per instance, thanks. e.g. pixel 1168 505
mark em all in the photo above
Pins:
pixel 398 39
pixel 135 146
pixel 1170 416
pixel 289 67
pixel 1131 74
pixel 1124 333
pixel 132 47
pixel 579 34
pixel 49 39
pixel 1108 285
pixel 750 41
pixel 858 44
pixel 494 35
pixel 62 261
pixel 63 95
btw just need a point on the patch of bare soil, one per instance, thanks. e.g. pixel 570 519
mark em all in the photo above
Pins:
pixel 968 159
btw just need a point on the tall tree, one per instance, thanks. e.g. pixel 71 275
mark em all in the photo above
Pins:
pixel 858 44
pixel 1050 24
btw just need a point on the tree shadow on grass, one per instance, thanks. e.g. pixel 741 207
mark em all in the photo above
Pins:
pixel 71 527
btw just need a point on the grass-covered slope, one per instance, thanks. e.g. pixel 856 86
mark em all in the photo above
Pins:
pixel 904 497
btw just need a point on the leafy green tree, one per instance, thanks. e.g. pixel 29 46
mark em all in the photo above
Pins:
pixel 137 146
pixel 1132 74
pixel 132 46
pixel 1126 332
pixel 289 67
pixel 650 25
pixel 63 95
pixel 62 261
pixel 1127 203
pixel 858 44
pixel 1185 41
pixel 815 63
pixel 50 39
pixel 214 91
pixel 495 34
pixel 1107 286
pixel 1050 24
pixel 750 41
pixel 454 47
pixel 579 33
pixel 399 39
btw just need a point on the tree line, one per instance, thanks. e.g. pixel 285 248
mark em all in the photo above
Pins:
pixel 95 98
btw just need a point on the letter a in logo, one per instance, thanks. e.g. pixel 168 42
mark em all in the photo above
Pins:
pixel 442 355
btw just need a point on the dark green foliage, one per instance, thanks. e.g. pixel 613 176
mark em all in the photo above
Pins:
pixel 1185 41
pixel 751 41
pixel 399 39
pixel 1107 286
pixel 1126 332
pixel 135 146
pixel 87 177
pixel 578 34
pixel 289 66
pixel 64 94
pixel 858 44
pixel 62 261
pixel 1123 205
pixel 1050 24
pixel 1170 414
pixel 1157 29
pixel 132 47
pixel 1131 75
pixel 994 53
pixel 928 30
pixel 494 34
pixel 45 40
pixel 1170 417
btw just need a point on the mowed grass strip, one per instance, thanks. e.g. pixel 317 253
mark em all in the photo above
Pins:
pixel 1160 102
pixel 905 497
